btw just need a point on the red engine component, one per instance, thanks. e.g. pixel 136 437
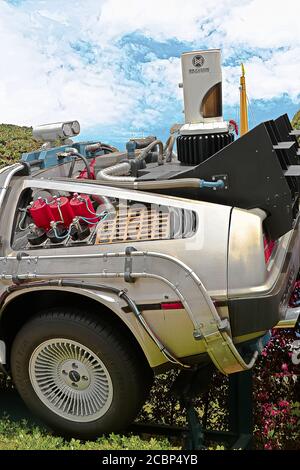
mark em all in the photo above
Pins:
pixel 82 206
pixel 61 210
pixel 41 214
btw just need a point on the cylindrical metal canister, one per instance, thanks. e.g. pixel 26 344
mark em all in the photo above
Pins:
pixel 41 214
pixel 82 206
pixel 61 210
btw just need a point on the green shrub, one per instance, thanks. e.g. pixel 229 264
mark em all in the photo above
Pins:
pixel 22 436
pixel 276 392
pixel 14 140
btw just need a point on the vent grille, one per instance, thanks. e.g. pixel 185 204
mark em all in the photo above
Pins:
pixel 134 224
pixel 286 152
pixel 194 149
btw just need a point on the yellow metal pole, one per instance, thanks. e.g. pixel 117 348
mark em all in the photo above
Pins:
pixel 243 104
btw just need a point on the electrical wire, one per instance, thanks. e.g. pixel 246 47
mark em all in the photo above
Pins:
pixel 60 213
pixel 64 236
pixel 73 225
pixel 89 210
pixel 88 221
pixel 21 228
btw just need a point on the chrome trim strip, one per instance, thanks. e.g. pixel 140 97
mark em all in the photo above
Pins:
pixel 208 326
pixel 2 352
pixel 12 171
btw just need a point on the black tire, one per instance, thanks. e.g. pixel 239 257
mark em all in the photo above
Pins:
pixel 131 376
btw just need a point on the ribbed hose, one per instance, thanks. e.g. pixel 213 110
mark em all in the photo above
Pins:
pixel 167 184
pixel 115 173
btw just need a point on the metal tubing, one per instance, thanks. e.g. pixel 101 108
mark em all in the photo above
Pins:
pixel 14 169
pixel 121 293
pixel 131 183
pixel 211 329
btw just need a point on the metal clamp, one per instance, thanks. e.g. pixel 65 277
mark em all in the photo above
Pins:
pixel 222 178
pixel 128 264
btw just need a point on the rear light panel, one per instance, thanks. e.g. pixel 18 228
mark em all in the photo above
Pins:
pixel 269 246
pixel 171 306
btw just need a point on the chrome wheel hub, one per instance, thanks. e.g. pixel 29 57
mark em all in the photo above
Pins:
pixel 70 380
pixel 75 374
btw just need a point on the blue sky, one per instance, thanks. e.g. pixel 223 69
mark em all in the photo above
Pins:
pixel 115 65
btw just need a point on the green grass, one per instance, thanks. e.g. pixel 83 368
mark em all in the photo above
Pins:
pixel 22 436
pixel 19 431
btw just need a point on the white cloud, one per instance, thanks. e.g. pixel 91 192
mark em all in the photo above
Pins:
pixel 43 78
pixel 264 23
pixel 159 19
pixel 268 79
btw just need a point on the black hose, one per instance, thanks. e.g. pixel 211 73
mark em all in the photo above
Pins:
pixel 86 163
pixel 36 162
pixel 72 167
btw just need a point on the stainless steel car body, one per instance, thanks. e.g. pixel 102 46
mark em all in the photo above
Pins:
pixel 222 260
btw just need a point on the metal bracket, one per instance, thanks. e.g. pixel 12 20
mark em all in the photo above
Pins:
pixel 21 255
pixel 221 177
pixel 128 264
pixel 224 325
pixel 198 335
pixel 292 170
pixel 284 145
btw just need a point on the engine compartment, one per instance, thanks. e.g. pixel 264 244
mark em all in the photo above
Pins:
pixel 46 219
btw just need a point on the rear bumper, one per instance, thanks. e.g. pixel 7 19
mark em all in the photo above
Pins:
pixel 291 317
pixel 263 312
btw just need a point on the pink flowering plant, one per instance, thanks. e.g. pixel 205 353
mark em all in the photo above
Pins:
pixel 277 394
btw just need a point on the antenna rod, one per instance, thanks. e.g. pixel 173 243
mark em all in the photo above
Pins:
pixel 243 104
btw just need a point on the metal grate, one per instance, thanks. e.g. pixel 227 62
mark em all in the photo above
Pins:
pixel 135 224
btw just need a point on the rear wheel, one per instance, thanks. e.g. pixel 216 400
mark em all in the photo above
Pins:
pixel 78 374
